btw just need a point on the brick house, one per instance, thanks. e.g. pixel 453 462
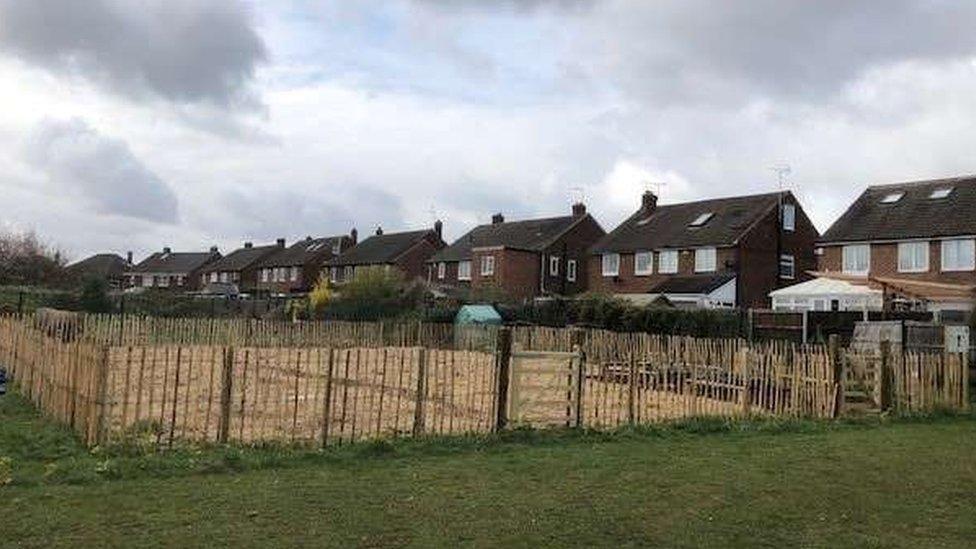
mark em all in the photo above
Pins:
pixel 110 268
pixel 406 252
pixel 239 267
pixel 297 268
pixel 915 241
pixel 725 252
pixel 174 271
pixel 521 259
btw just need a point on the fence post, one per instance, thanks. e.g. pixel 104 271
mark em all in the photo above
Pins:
pixel 884 376
pixel 503 356
pixel 327 406
pixel 227 375
pixel 578 337
pixel 101 425
pixel 418 415
pixel 745 399
pixel 632 389
pixel 840 373
pixel 966 380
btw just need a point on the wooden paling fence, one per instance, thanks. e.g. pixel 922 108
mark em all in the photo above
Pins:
pixel 335 383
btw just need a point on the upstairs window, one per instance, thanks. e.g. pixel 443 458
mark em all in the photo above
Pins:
pixel 705 260
pixel 488 265
pixel 441 270
pixel 959 255
pixel 940 193
pixel 611 264
pixel 554 265
pixel 571 270
pixel 857 259
pixel 334 274
pixel 464 270
pixel 294 274
pixel 891 198
pixel 264 275
pixel 789 217
pixel 667 261
pixel 913 257
pixel 701 219
pixel 643 263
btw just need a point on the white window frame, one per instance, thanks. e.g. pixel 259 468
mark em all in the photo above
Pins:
pixel 147 281
pixel 789 221
pixel 571 270
pixel 960 244
pixel 667 261
pixel 553 265
pixel 348 273
pixel 464 270
pixel 610 264
pixel 214 276
pixel 441 270
pixel 706 260
pixel 264 275
pixel 488 265
pixel 908 257
pixel 649 265
pixel 788 261
pixel 334 274
pixel 849 262
pixel 294 274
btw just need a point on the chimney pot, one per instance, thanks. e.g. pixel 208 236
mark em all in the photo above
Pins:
pixel 167 250
pixel 128 258
pixel 213 249
pixel 579 209
pixel 379 231
pixel 248 245
pixel 354 235
pixel 281 242
pixel 497 218
pixel 648 202
pixel 439 228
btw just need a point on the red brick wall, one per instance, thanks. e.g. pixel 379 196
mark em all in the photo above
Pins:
pixel 575 244
pixel 413 262
pixel 516 273
pixel 884 263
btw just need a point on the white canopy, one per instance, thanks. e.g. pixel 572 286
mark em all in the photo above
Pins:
pixel 827 294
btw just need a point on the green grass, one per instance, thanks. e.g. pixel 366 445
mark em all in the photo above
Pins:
pixel 873 483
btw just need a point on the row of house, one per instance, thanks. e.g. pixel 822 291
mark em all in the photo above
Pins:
pixel 903 245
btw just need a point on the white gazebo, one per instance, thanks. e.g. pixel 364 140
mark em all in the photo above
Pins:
pixel 828 294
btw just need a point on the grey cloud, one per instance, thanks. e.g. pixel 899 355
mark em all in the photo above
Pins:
pixel 185 51
pixel 79 161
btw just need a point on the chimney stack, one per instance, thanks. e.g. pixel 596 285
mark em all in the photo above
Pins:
pixel 439 228
pixel 167 250
pixel 214 249
pixel 128 258
pixel 354 235
pixel 280 242
pixel 648 202
pixel 379 231
pixel 579 209
pixel 497 218
pixel 248 245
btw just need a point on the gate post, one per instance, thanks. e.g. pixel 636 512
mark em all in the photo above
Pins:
pixel 503 356
pixel 227 377
pixel 577 338
pixel 840 373
pixel 884 377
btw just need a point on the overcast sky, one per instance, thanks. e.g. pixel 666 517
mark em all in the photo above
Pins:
pixel 138 124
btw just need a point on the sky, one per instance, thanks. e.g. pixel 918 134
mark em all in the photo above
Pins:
pixel 139 124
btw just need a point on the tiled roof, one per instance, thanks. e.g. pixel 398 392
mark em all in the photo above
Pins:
pixel 306 251
pixel 380 249
pixel 530 234
pixel 692 284
pixel 914 215
pixel 669 226
pixel 242 258
pixel 100 265
pixel 174 262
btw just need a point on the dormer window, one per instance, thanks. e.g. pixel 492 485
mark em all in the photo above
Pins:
pixel 701 219
pixel 940 193
pixel 891 198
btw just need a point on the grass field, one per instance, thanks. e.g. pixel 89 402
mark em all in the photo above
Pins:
pixel 900 484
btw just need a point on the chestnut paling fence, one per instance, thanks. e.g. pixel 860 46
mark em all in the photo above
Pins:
pixel 331 383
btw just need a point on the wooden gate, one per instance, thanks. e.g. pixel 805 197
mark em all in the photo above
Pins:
pixel 545 388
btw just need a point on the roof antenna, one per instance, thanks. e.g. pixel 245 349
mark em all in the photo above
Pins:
pixel 781 171
pixel 654 186
pixel 577 195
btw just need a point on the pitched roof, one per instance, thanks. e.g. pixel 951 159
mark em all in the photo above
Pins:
pixel 530 234
pixel 178 262
pixel 242 258
pixel 692 284
pixel 914 215
pixel 303 252
pixel 669 226
pixel 100 265
pixel 380 249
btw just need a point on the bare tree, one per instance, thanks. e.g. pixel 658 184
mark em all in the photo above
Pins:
pixel 25 260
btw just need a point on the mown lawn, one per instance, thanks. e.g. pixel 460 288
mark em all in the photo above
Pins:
pixel 890 484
